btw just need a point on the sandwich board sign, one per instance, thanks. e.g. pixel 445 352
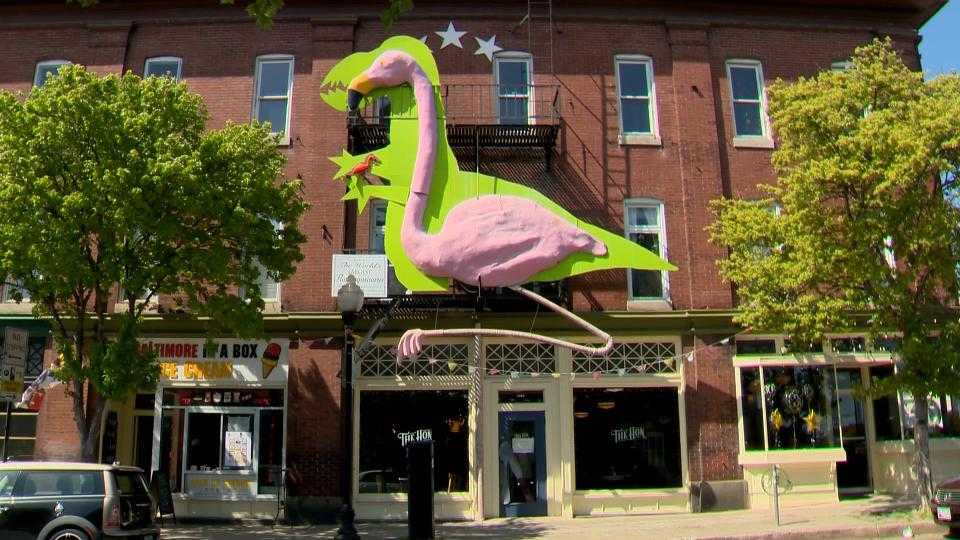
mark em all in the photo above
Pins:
pixel 13 363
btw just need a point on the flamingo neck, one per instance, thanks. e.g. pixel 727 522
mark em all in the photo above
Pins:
pixel 413 233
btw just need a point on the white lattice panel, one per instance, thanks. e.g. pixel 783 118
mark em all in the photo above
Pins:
pixel 524 358
pixel 631 358
pixel 435 360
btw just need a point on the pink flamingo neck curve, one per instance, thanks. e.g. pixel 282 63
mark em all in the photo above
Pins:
pixel 492 240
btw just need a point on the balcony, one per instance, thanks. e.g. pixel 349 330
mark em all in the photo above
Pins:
pixel 477 116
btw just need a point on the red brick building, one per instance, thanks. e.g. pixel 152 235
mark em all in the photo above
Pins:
pixel 634 115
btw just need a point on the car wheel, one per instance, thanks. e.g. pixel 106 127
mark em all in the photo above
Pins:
pixel 68 534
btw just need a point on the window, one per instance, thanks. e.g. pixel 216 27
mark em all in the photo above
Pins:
pixel 59 483
pixel 645 227
pixel 513 73
pixel 751 408
pixel 13 289
pixel 378 226
pixel 389 420
pixel 801 407
pixel 789 408
pixel 274 83
pixel 7 481
pixel 635 92
pixel 163 66
pixel 269 287
pixel 626 438
pixel 46 69
pixel 841 65
pixel 746 90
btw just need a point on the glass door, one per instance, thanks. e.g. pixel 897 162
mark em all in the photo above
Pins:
pixel 523 464
pixel 853 476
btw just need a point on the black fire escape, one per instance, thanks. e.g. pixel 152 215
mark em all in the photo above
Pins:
pixel 510 133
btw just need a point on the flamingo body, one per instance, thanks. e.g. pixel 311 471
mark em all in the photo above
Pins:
pixel 498 241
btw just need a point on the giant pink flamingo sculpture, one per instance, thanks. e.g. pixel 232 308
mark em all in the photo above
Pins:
pixel 490 240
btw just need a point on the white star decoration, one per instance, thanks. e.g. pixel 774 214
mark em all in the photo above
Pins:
pixel 487 48
pixel 451 36
pixel 423 38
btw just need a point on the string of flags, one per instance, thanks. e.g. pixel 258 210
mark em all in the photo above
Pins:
pixel 642 367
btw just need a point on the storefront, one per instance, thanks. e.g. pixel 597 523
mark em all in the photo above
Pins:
pixel 803 412
pixel 524 429
pixel 215 428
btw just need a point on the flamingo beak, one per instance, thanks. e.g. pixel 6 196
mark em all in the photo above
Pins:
pixel 360 86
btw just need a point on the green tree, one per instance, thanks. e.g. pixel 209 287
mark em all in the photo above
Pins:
pixel 866 235
pixel 263 11
pixel 111 183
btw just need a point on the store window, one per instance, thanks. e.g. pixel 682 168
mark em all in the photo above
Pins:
pixel 47 69
pixel 635 94
pixel 513 72
pixel 274 81
pixel 389 420
pixel 209 435
pixel 746 88
pixel 626 438
pixel 789 408
pixel 751 406
pixel 801 407
pixel 894 417
pixel 163 66
pixel 644 225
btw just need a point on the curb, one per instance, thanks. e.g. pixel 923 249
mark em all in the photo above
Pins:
pixel 875 531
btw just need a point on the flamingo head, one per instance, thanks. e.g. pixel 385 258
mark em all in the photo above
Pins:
pixel 392 68
pixel 379 72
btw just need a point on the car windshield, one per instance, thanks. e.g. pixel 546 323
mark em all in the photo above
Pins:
pixel 130 483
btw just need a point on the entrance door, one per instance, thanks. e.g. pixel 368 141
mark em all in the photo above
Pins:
pixel 523 464
pixel 853 476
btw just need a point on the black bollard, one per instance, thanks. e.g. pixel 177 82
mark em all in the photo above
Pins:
pixel 420 490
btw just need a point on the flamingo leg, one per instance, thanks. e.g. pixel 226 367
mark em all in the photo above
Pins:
pixel 411 343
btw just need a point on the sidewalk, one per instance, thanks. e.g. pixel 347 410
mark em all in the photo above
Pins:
pixel 872 518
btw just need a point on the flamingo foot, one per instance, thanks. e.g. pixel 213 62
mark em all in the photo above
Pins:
pixel 410 345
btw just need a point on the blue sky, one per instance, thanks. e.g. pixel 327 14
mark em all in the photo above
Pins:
pixel 940 48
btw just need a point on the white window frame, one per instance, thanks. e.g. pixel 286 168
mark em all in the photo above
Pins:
pixel 637 137
pixel 764 140
pixel 514 56
pixel 177 59
pixel 841 65
pixel 284 135
pixel 46 63
pixel 8 286
pixel 661 231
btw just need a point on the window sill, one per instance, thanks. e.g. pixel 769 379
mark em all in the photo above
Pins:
pixel 272 307
pixel 812 455
pixel 754 142
pixel 627 492
pixel 639 139
pixel 15 307
pixel 649 305
pixel 123 307
pixel 402 497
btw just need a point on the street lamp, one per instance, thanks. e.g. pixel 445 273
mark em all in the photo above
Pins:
pixel 349 302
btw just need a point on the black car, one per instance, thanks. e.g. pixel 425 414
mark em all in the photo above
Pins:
pixel 75 501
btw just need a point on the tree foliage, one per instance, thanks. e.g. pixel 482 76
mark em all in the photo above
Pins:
pixel 112 184
pixel 866 234
pixel 264 11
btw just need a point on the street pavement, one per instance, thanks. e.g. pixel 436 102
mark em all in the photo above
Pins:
pixel 872 518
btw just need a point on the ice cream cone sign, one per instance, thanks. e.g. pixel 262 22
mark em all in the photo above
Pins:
pixel 270 359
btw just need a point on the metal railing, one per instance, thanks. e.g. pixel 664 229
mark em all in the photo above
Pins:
pixel 475 104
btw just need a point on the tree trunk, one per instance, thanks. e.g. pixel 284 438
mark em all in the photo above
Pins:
pixel 921 452
pixel 88 415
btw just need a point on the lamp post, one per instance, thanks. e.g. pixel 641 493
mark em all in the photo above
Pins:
pixel 349 302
